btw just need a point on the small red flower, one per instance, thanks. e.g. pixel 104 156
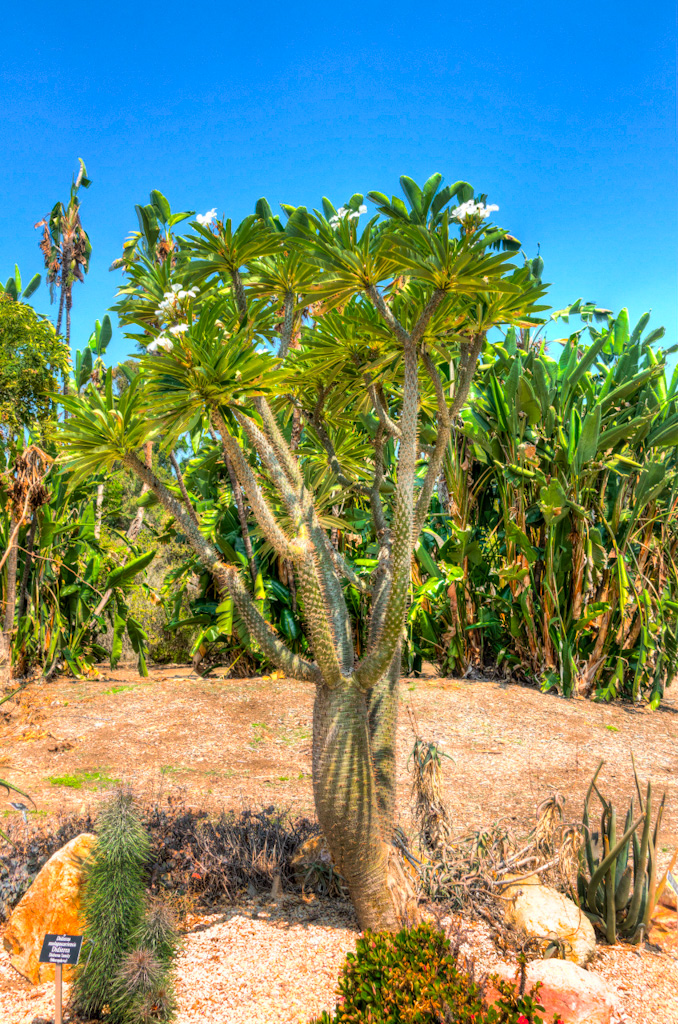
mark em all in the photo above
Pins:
pixel 196 875
pixel 523 1019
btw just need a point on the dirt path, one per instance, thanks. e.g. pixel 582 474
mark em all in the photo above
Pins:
pixel 228 740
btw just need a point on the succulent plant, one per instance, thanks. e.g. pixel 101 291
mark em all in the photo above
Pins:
pixel 618 870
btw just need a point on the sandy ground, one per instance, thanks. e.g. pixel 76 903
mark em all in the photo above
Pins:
pixel 248 742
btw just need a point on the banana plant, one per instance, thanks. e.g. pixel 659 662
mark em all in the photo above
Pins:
pixel 572 468
pixel 13 286
pixel 89 362
pixel 62 574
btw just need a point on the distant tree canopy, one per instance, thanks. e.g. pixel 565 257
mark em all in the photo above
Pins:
pixel 32 356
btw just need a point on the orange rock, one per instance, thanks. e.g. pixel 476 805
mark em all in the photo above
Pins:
pixel 576 995
pixel 50 907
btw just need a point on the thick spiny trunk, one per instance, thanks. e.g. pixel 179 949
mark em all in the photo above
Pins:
pixel 354 773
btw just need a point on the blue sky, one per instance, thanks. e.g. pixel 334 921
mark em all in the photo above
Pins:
pixel 564 114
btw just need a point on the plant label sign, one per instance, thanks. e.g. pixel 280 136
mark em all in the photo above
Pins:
pixel 61 949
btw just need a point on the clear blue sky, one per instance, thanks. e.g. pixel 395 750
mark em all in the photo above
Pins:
pixel 565 114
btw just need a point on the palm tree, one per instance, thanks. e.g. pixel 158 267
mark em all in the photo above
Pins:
pixel 66 249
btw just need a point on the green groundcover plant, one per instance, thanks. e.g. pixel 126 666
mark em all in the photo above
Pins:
pixel 414 977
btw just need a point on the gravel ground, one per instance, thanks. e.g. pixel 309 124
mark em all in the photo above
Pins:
pixel 264 962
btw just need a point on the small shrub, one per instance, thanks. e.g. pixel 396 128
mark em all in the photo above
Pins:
pixel 113 903
pixel 145 981
pixel 415 977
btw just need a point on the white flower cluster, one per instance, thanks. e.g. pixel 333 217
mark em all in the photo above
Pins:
pixel 343 210
pixel 160 343
pixel 170 306
pixel 471 209
pixel 206 218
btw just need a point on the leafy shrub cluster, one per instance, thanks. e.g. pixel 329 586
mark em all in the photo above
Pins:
pixel 553 556
pixel 415 977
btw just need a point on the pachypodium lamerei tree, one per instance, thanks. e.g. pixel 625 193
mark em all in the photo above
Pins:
pixel 365 340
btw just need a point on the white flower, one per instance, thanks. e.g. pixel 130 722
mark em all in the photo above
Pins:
pixel 362 209
pixel 471 209
pixel 206 218
pixel 334 221
pixel 354 215
pixel 178 329
pixel 182 294
pixel 191 293
pixel 175 288
pixel 342 211
pixel 160 342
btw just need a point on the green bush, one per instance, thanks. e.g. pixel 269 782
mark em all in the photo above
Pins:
pixel 414 977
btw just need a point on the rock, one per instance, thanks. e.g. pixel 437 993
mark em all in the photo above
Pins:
pixel 669 899
pixel 51 906
pixel 543 912
pixel 576 995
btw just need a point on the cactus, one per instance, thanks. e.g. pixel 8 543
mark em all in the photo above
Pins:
pixel 617 878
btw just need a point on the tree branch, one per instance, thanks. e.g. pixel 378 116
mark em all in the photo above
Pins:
pixel 182 488
pixel 379 404
pixel 287 325
pixel 239 292
pixel 283 450
pixel 379 656
pixel 426 314
pixel 263 514
pixel 442 440
pixel 333 461
pixel 387 314
pixel 318 578
pixel 468 360
pixel 227 579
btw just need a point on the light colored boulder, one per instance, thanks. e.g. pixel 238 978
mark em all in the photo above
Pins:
pixel 50 907
pixel 543 912
pixel 576 995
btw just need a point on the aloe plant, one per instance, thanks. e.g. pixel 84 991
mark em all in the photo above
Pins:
pixel 618 871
